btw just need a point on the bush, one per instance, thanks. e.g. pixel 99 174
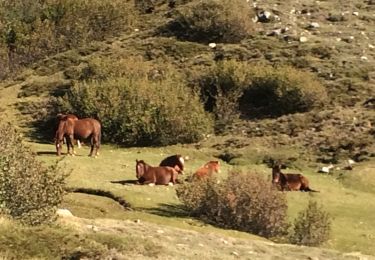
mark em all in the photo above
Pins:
pixel 244 202
pixel 221 87
pixel 312 227
pixel 135 109
pixel 281 90
pixel 227 21
pixel 30 30
pixel 29 191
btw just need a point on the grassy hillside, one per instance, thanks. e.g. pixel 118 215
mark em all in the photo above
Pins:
pixel 333 40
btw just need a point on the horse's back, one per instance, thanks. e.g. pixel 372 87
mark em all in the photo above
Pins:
pixel 162 175
pixel 86 127
pixel 294 180
pixel 176 161
pixel 207 170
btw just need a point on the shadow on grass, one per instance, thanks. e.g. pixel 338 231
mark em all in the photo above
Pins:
pixel 102 193
pixel 125 182
pixel 168 210
pixel 46 153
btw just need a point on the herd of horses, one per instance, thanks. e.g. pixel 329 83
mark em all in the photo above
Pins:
pixel 70 127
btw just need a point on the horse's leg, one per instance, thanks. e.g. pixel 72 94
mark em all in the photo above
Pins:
pixel 94 145
pixel 70 143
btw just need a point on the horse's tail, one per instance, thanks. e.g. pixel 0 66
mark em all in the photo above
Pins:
pixel 100 137
pixel 310 190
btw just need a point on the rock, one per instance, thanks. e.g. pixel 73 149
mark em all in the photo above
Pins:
pixel 326 169
pixel 64 213
pixel 303 39
pixel 264 17
pixel 364 58
pixel 355 13
pixel 313 25
pixel 94 228
pixel 212 45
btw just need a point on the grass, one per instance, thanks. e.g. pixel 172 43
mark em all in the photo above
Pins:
pixel 346 195
pixel 351 209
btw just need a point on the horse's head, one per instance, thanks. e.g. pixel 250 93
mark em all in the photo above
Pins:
pixel 213 166
pixel 58 144
pixel 276 171
pixel 140 168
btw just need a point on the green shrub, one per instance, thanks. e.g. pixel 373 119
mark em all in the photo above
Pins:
pixel 227 21
pixel 244 202
pixel 29 191
pixel 312 227
pixel 30 30
pixel 281 90
pixel 137 110
pixel 221 89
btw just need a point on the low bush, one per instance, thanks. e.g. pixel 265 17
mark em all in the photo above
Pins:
pixel 29 191
pixel 227 21
pixel 242 201
pixel 312 227
pixel 221 87
pixel 30 30
pixel 281 90
pixel 144 107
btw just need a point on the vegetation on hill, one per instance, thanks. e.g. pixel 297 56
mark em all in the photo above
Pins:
pixel 30 191
pixel 272 80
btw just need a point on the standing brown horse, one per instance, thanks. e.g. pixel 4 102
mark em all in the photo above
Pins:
pixel 161 175
pixel 207 170
pixel 175 161
pixel 79 128
pixel 60 117
pixel 289 181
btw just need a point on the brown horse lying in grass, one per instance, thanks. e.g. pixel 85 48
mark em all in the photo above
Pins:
pixel 175 161
pixel 207 170
pixel 80 128
pixel 161 175
pixel 289 181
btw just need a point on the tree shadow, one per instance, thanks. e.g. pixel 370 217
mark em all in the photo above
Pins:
pixel 125 182
pixel 46 153
pixel 168 210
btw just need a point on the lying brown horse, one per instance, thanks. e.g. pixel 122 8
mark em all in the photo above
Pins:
pixel 289 181
pixel 175 161
pixel 207 170
pixel 161 175
pixel 79 128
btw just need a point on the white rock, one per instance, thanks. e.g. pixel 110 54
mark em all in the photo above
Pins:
pixel 64 213
pixel 136 30
pixel 355 13
pixel 303 39
pixel 326 169
pixel 212 45
pixel 350 162
pixel 371 46
pixel 94 228
pixel 364 58
pixel 314 25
